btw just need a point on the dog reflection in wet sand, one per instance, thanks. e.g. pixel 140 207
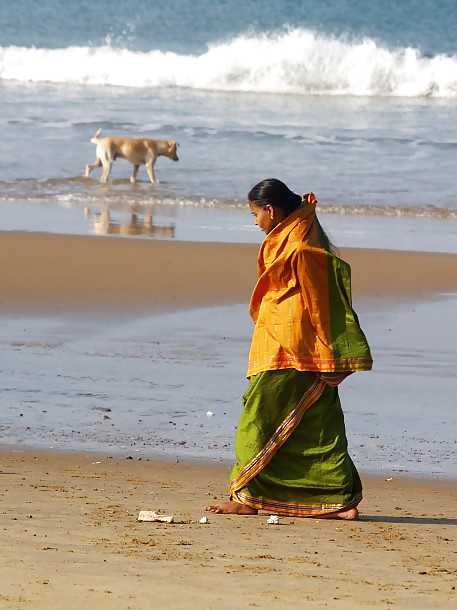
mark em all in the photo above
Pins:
pixel 137 151
pixel 103 224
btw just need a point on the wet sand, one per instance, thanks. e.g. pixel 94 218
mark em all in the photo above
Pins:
pixel 70 536
pixel 44 273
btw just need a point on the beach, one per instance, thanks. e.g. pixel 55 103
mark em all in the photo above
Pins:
pixel 48 273
pixel 70 538
pixel 124 307
pixel 70 505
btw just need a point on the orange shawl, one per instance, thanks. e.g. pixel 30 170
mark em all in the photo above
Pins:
pixel 301 304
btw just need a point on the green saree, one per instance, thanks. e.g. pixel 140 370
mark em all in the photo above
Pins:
pixel 291 448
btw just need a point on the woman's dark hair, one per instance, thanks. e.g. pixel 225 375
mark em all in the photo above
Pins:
pixel 274 192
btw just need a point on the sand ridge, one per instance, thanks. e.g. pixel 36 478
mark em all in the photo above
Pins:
pixel 48 273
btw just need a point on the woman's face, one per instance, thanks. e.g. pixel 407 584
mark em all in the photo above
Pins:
pixel 268 217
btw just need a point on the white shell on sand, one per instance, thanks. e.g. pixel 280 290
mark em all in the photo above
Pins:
pixel 273 520
pixel 151 515
pixel 204 520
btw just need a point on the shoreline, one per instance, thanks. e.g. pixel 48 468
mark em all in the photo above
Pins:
pixel 434 479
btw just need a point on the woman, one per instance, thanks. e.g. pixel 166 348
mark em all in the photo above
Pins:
pixel 290 445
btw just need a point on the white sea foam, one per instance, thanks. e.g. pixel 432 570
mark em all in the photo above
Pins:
pixel 295 61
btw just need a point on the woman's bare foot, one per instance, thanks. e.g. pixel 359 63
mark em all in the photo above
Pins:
pixel 231 508
pixel 351 514
pixel 234 508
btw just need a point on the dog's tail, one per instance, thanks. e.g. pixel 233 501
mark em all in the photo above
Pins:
pixel 95 139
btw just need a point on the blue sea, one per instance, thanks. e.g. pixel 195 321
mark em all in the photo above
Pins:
pixel 355 100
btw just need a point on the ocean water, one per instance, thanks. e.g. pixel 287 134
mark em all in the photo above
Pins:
pixel 355 100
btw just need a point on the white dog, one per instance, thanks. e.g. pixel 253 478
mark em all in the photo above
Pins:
pixel 137 151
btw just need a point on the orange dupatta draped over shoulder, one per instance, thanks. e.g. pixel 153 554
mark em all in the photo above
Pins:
pixel 301 304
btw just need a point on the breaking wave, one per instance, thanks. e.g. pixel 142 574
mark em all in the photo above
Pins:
pixel 293 61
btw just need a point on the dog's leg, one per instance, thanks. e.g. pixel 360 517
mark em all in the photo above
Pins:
pixel 134 173
pixel 150 170
pixel 91 166
pixel 106 170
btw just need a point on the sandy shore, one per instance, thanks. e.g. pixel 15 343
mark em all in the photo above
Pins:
pixel 70 536
pixel 62 274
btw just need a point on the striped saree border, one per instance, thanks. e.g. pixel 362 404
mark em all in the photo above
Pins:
pixel 295 510
pixel 333 379
pixel 280 436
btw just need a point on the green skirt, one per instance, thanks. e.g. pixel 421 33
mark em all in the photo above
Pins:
pixel 291 447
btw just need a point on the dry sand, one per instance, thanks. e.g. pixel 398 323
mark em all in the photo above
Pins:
pixel 70 539
pixel 69 531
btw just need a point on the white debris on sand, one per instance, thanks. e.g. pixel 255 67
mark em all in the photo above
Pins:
pixel 151 515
